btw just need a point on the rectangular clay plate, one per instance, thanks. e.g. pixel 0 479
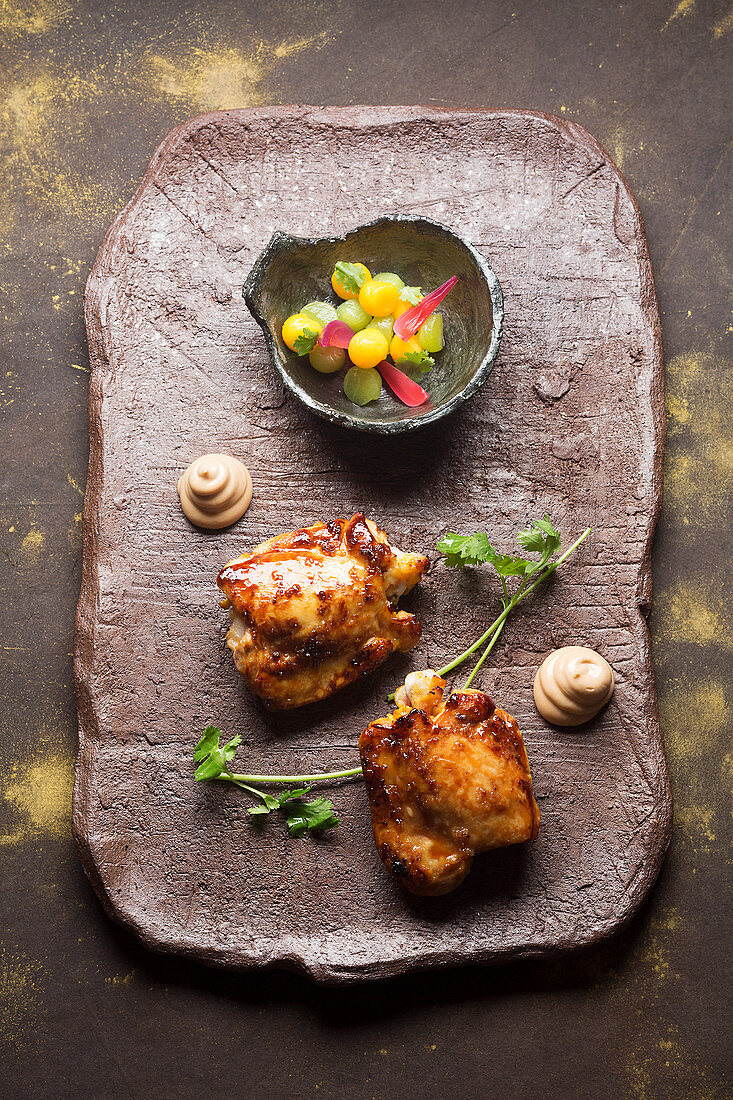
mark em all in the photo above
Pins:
pixel 569 423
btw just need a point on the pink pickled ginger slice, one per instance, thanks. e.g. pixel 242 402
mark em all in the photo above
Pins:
pixel 403 387
pixel 409 322
pixel 336 334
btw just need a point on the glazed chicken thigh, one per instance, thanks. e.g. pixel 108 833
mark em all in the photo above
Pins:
pixel 314 609
pixel 446 778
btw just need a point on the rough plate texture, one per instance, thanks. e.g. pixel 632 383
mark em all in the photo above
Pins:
pixel 570 423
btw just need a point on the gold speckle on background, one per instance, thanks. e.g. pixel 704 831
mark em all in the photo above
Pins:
pixel 723 25
pixel 39 797
pixel 692 611
pixel 43 112
pixel 631 144
pixel 120 979
pixel 32 547
pixel 652 973
pixel 18 999
pixel 210 77
pixel 287 49
pixel 695 717
pixel 698 489
pixel 684 7
pixel 19 18
pixel 625 143
pixel 619 145
pixel 693 405
pixel 207 80
pixel 697 822
pixel 48 109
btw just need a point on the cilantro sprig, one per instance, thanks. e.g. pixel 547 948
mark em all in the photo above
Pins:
pixel 471 550
pixel 411 294
pixel 304 344
pixel 350 276
pixel 415 364
pixel 301 816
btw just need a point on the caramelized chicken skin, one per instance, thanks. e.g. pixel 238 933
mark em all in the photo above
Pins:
pixel 446 778
pixel 313 610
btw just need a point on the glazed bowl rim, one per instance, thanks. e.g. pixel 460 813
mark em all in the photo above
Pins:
pixel 347 420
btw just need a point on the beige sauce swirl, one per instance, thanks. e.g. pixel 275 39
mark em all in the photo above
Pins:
pixel 572 684
pixel 215 491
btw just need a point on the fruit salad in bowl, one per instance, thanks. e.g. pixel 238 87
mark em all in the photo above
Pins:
pixel 389 327
pixel 380 317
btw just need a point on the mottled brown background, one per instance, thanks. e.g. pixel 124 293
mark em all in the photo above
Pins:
pixel 86 92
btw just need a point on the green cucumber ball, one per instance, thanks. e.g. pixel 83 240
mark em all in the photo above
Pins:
pixel 430 333
pixel 322 311
pixel 389 277
pixel 385 326
pixel 362 385
pixel 327 360
pixel 353 315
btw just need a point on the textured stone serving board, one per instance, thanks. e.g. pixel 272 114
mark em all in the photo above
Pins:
pixel 569 423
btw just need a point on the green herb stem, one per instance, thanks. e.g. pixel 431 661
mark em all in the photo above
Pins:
pixel 301 816
pixel 496 628
pixel 497 623
pixel 485 654
pixel 240 778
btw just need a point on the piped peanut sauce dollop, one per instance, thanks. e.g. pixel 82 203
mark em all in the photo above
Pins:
pixel 572 684
pixel 215 491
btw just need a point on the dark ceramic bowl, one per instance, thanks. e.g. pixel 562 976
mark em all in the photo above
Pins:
pixel 292 271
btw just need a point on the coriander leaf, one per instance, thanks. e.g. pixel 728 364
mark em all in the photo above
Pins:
pixel 450 546
pixel 507 566
pixel 270 802
pixel 350 276
pixel 208 742
pixel 462 550
pixel 297 823
pixel 304 817
pixel 532 539
pixel 477 548
pixel 289 796
pixel 213 766
pixel 415 370
pixel 411 294
pixel 214 759
pixel 541 537
pixel 415 364
pixel 545 525
pixel 305 343
pixel 300 816
pixel 231 747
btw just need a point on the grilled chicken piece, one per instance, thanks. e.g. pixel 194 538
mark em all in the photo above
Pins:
pixel 313 610
pixel 446 778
